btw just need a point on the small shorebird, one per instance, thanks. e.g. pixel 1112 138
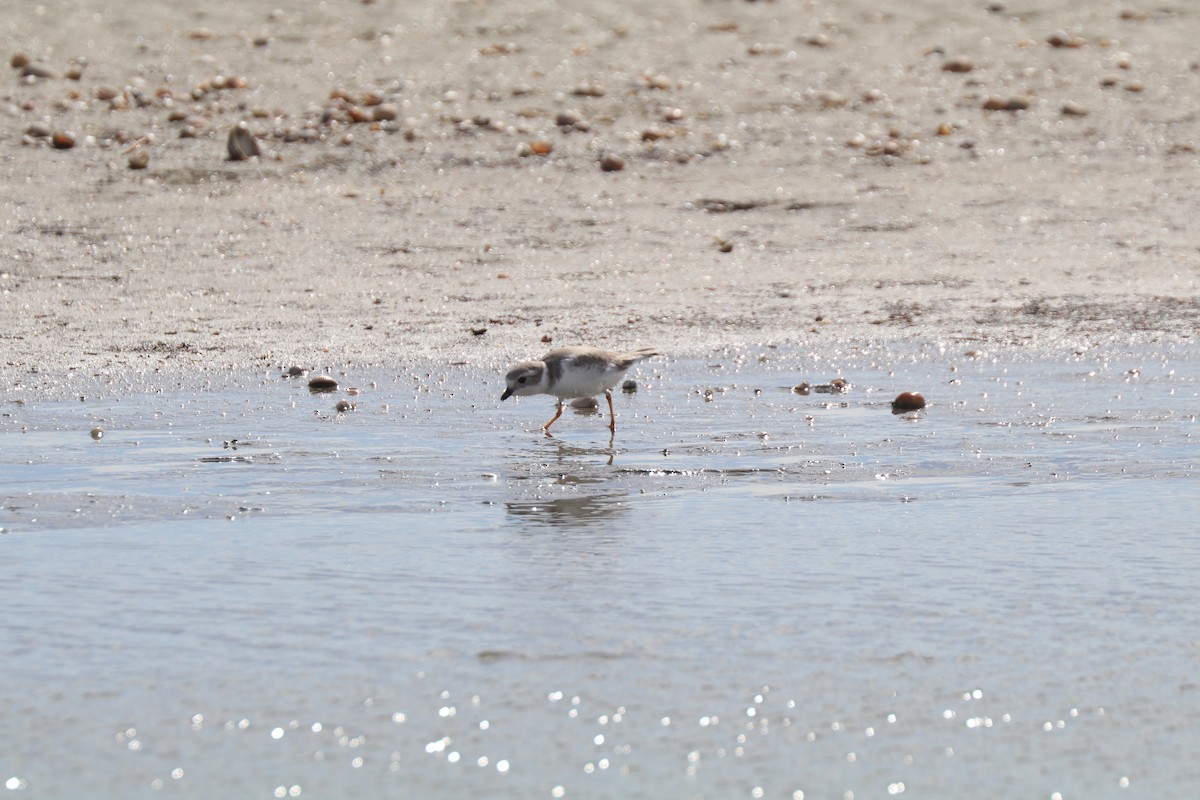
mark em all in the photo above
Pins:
pixel 567 372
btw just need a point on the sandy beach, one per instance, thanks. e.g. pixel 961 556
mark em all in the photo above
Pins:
pixel 467 181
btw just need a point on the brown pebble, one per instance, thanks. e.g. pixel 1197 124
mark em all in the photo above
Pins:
pixel 39 130
pixel 1134 86
pixel 547 338
pixel 19 59
pixel 611 163
pixel 97 433
pixel 478 331
pixel 957 65
pixel 36 69
pixel 945 129
pixel 140 159
pixel 385 112
pixel 343 406
pixel 724 245
pixel 107 92
pixel 1073 109
pixel 629 386
pixel 1006 104
pixel 571 119
pixel 1064 39
pixel 322 383
pixel 540 148
pixel 295 372
pixel 584 403
pixel 908 401
pixel 63 140
pixel 589 90
pixel 802 388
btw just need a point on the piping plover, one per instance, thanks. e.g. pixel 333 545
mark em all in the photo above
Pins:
pixel 567 372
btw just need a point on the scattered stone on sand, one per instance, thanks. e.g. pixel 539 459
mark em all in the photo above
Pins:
pixel 322 383
pixel 39 130
pixel 97 433
pixel 241 143
pixel 629 386
pixel 36 69
pixel 1073 109
pixel 570 119
pixel 584 403
pixel 908 401
pixel 723 245
pixel 295 372
pixel 1016 103
pixel 62 140
pixel 139 159
pixel 343 406
pixel 802 388
pixel 19 59
pixel 610 162
pixel 547 338
pixel 478 331
pixel 385 112
pixel 958 65
pixel 1064 39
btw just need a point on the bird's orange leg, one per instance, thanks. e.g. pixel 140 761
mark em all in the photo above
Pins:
pixel 557 414
pixel 612 415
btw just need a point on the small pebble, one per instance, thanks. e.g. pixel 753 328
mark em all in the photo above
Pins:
pixel 107 92
pixel 908 401
pixel 584 403
pixel 385 112
pixel 1006 104
pixel 611 163
pixel 343 406
pixel 957 65
pixel 295 372
pixel 39 130
pixel 140 159
pixel 36 69
pixel 1073 109
pixel 63 140
pixel 547 338
pixel 571 119
pixel 1064 39
pixel 802 388
pixel 97 433
pixel 629 386
pixel 19 59
pixel 540 148
pixel 322 383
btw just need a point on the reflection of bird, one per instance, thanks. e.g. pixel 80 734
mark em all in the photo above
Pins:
pixel 573 372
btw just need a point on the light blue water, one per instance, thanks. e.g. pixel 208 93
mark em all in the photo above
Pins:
pixel 992 597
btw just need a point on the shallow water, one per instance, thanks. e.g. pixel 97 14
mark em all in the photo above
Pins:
pixel 238 591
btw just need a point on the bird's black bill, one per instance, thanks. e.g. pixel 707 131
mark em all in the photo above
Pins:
pixel 507 394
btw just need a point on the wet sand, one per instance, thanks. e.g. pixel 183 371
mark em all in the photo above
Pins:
pixel 809 175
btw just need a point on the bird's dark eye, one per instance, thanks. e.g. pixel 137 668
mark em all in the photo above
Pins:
pixel 520 380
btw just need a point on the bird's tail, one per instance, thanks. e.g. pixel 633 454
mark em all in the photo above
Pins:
pixel 641 354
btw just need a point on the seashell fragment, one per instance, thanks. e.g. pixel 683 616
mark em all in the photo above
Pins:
pixel 241 143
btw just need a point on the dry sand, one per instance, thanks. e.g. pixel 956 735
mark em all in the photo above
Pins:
pixel 804 174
